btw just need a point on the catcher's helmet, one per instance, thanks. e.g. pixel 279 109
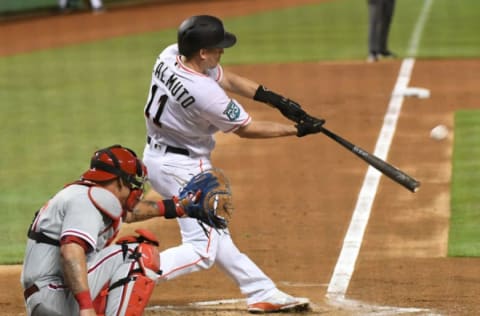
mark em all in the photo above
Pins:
pixel 203 31
pixel 116 161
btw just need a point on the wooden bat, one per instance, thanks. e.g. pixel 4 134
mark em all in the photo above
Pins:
pixel 384 167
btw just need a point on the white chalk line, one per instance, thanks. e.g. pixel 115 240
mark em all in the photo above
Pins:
pixel 417 32
pixel 301 284
pixel 231 301
pixel 197 304
pixel 353 239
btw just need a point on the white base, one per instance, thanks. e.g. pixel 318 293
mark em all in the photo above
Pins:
pixel 420 93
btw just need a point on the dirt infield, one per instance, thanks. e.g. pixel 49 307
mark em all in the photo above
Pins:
pixel 294 197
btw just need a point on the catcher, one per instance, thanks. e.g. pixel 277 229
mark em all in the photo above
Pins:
pixel 72 265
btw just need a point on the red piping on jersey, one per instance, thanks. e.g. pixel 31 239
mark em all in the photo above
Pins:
pixel 112 239
pixel 81 235
pixel 76 240
pixel 189 70
pixel 57 287
pixel 110 255
pixel 220 73
pixel 37 218
pixel 115 219
pixel 245 122
pixel 103 210
pixel 190 264
pixel 124 292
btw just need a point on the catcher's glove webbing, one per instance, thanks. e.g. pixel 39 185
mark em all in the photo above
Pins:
pixel 208 198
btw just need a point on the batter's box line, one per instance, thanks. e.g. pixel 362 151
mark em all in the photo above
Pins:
pixel 232 301
pixel 363 308
pixel 302 284
pixel 200 305
pixel 233 304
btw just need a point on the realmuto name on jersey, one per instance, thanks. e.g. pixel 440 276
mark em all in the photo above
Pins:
pixel 173 84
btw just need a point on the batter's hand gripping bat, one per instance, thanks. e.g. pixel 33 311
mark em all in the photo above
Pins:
pixel 387 169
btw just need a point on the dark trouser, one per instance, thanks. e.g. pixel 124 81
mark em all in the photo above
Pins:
pixel 380 17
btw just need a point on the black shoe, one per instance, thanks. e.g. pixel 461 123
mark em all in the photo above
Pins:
pixel 387 54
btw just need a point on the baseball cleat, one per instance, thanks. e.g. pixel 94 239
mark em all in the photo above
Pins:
pixel 372 58
pixel 280 302
pixel 387 54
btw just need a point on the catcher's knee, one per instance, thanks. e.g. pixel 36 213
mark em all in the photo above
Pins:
pixel 206 259
pixel 138 285
pixel 144 279
pixel 141 280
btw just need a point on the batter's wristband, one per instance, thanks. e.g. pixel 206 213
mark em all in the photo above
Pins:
pixel 84 300
pixel 264 95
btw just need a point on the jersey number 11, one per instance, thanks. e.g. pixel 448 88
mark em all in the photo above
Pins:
pixel 161 106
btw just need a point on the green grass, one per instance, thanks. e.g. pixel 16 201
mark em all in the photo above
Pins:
pixel 452 30
pixel 464 235
pixel 59 105
pixel 21 5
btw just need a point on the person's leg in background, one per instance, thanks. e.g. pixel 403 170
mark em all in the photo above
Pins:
pixel 386 16
pixel 373 25
pixel 97 5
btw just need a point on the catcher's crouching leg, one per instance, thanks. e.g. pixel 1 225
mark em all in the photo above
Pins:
pixel 139 284
pixel 141 288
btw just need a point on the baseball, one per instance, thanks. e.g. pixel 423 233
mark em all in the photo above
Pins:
pixel 439 132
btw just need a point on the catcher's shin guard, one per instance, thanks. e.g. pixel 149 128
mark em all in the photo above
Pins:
pixel 140 288
pixel 139 285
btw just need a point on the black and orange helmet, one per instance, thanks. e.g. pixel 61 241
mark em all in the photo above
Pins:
pixel 203 31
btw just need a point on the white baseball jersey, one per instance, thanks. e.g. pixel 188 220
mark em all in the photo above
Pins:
pixel 185 108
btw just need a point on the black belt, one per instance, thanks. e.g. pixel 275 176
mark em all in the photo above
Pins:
pixel 170 149
pixel 30 291
pixel 42 238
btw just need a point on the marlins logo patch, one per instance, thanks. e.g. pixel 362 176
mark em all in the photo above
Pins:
pixel 232 111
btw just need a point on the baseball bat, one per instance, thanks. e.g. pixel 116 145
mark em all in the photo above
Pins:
pixel 384 167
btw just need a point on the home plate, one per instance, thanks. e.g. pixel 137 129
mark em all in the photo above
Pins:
pixel 420 93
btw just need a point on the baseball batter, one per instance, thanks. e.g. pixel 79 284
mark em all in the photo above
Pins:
pixel 71 266
pixel 187 104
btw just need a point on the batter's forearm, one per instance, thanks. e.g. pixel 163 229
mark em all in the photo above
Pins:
pixel 266 129
pixel 239 85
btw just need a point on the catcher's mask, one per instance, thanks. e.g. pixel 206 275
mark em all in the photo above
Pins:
pixel 118 162
pixel 203 31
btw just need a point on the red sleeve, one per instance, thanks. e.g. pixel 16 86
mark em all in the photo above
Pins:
pixel 74 239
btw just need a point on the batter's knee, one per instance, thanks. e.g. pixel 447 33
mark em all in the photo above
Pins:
pixel 206 262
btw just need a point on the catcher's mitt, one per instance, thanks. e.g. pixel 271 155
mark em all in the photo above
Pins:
pixel 208 198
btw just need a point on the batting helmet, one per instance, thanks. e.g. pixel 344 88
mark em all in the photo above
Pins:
pixel 203 31
pixel 116 161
